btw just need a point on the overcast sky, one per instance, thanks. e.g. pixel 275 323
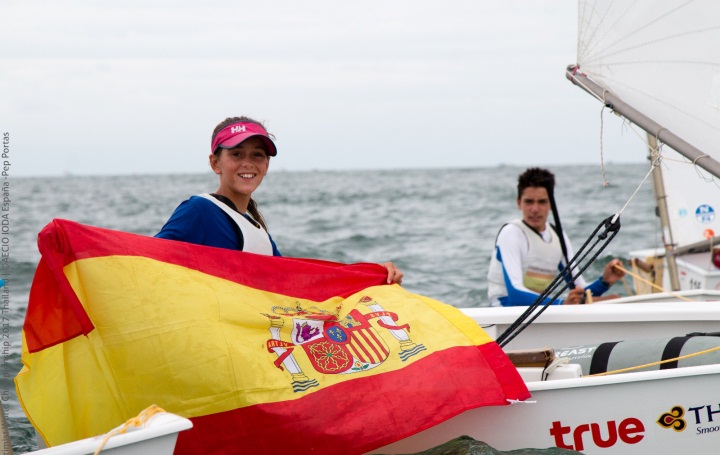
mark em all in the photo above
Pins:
pixel 132 87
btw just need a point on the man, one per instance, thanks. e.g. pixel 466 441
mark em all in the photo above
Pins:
pixel 529 254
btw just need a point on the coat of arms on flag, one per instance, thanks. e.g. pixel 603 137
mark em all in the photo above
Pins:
pixel 334 344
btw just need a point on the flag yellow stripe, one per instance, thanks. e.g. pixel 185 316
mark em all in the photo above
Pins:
pixel 72 376
pixel 196 342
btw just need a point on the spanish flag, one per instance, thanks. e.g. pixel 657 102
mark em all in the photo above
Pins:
pixel 263 354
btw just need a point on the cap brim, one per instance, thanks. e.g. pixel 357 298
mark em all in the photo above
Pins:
pixel 239 138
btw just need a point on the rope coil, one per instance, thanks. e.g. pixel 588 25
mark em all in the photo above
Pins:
pixel 136 421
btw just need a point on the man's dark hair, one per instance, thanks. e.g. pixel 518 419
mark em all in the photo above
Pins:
pixel 535 177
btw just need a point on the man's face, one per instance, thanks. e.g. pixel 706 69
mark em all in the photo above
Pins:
pixel 534 204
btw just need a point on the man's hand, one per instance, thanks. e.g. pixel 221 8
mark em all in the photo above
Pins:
pixel 574 296
pixel 611 273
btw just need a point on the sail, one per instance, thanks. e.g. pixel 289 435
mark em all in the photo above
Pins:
pixel 694 212
pixel 662 58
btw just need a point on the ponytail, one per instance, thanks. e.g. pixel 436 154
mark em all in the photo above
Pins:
pixel 255 213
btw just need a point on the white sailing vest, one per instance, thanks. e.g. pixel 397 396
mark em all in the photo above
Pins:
pixel 255 238
pixel 539 267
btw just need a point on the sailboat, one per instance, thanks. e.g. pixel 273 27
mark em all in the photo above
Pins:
pixel 632 57
pixel 657 66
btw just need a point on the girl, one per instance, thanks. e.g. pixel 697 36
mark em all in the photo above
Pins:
pixel 229 218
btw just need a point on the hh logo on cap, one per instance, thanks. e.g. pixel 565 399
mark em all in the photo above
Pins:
pixel 237 129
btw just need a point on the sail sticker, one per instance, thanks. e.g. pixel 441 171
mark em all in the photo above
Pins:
pixel 705 214
pixel 682 212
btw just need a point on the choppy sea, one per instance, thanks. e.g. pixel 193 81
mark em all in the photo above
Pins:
pixel 437 225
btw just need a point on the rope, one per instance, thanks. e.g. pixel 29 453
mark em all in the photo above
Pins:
pixel 575 268
pixel 627 288
pixel 699 157
pixel 660 362
pixel 617 215
pixel 659 288
pixel 136 421
pixel 602 157
pixel 558 361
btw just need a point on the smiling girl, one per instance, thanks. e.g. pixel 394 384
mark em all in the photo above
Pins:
pixel 240 154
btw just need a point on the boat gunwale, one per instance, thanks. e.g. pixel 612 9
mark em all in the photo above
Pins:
pixel 623 378
pixel 599 313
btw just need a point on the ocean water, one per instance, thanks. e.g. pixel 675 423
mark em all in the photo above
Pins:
pixel 437 225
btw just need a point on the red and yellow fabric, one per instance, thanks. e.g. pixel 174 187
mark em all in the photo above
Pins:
pixel 262 354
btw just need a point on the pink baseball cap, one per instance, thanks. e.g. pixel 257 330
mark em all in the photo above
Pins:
pixel 233 134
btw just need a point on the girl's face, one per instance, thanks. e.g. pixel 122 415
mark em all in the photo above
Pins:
pixel 241 170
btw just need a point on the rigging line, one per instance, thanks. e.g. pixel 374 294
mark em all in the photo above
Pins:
pixel 652 167
pixel 520 328
pixel 697 170
pixel 658 152
pixel 642 135
pixel 581 255
pixel 518 325
pixel 701 156
pixel 659 288
pixel 627 287
pixel 602 157
pixel 541 299
pixel 659 362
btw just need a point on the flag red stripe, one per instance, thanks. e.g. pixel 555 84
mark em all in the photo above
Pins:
pixel 369 420
pixel 370 341
pixel 62 242
pixel 54 313
pixel 310 279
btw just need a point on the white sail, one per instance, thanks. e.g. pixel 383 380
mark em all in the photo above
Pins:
pixel 693 201
pixel 657 63
pixel 662 57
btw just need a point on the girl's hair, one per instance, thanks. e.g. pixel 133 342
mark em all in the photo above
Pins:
pixel 252 205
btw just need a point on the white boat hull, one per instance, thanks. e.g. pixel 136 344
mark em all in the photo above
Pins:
pixel 610 414
pixel 564 326
pixel 157 436
pixel 615 414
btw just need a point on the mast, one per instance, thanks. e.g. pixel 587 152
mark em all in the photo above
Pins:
pixel 650 126
pixel 666 229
